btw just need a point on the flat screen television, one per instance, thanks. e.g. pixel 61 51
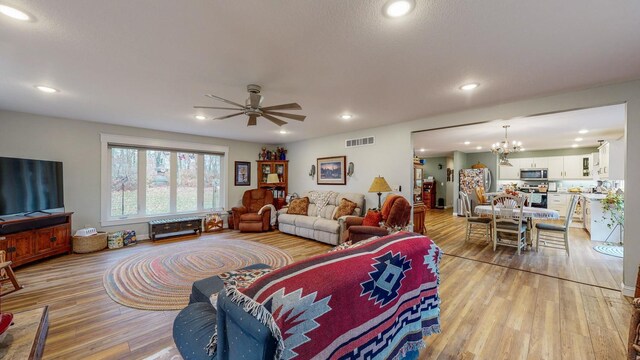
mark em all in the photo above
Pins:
pixel 28 186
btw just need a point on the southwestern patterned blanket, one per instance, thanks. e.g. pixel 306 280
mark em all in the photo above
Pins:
pixel 374 301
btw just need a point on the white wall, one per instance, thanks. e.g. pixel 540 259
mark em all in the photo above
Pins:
pixel 77 145
pixel 392 154
pixel 370 161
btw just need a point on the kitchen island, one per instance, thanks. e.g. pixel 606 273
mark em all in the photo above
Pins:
pixel 596 219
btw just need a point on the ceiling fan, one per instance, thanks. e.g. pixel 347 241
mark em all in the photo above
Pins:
pixel 253 108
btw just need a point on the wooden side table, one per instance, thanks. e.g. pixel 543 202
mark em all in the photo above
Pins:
pixel 25 339
pixel 418 218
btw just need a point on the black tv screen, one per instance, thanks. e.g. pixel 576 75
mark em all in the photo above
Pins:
pixel 30 185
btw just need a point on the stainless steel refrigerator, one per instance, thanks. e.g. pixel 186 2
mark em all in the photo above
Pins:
pixel 470 179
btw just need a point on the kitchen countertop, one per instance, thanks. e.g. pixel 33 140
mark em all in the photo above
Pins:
pixel 590 196
pixel 594 196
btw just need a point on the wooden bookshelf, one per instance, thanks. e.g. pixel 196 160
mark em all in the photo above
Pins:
pixel 279 189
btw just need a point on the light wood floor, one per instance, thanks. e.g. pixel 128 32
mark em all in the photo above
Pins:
pixel 585 265
pixel 488 311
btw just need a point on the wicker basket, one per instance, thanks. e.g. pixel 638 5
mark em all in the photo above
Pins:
pixel 87 244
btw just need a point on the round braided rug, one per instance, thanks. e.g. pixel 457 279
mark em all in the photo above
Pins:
pixel 161 278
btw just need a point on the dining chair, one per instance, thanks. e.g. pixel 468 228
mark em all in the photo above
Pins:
pixel 556 236
pixel 482 196
pixel 474 222
pixel 509 225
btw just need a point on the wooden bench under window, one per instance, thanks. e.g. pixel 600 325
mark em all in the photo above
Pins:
pixel 173 226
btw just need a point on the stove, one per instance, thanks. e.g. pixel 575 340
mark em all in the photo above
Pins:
pixel 536 198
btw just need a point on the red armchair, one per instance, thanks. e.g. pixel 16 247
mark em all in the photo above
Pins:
pixel 246 217
pixel 396 212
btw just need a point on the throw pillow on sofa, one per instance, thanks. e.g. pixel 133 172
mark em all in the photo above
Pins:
pixel 373 218
pixel 346 207
pixel 298 206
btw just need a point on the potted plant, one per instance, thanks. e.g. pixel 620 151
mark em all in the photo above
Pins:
pixel 613 206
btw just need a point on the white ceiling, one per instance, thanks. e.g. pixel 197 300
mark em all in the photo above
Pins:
pixel 543 132
pixel 147 62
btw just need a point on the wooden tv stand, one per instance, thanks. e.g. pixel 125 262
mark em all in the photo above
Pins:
pixel 27 239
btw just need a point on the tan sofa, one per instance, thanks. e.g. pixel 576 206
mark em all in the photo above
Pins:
pixel 319 225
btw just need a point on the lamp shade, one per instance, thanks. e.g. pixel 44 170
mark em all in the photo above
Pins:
pixel 273 178
pixel 379 184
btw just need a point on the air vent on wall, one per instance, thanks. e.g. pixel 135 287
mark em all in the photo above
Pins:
pixel 369 140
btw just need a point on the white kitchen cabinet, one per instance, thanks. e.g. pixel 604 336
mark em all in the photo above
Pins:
pixel 611 155
pixel 595 220
pixel 573 167
pixel 558 202
pixel 555 167
pixel 568 167
pixel 603 154
pixel 525 163
pixel 510 172
pixel 541 162
pixel 587 214
pixel 533 163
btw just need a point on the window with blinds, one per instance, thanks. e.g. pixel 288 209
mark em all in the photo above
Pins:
pixel 156 181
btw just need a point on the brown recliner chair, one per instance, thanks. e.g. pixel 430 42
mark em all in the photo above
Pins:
pixel 396 212
pixel 246 217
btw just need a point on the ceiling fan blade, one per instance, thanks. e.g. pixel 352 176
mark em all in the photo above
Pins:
pixel 255 100
pixel 274 119
pixel 224 100
pixel 228 116
pixel 289 116
pixel 291 106
pixel 214 107
pixel 253 120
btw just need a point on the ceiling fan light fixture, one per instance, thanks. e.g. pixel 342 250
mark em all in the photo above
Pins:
pixel 253 108
pixel 346 116
pixel 200 117
pixel 283 132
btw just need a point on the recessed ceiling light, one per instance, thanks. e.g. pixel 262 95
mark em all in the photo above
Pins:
pixel 46 89
pixel 578 139
pixel 467 142
pixel 574 145
pixel 468 87
pixel 14 13
pixel 283 131
pixel 398 8
pixel 583 131
pixel 478 147
pixel 423 150
pixel 346 116
pixel 200 117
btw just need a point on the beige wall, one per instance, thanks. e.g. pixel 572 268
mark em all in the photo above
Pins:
pixel 391 155
pixel 77 145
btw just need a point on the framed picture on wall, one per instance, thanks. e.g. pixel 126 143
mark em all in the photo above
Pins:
pixel 242 173
pixel 332 170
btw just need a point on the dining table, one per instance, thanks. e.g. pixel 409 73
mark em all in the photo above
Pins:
pixel 528 212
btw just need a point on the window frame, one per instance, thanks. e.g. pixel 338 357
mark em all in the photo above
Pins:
pixel 107 140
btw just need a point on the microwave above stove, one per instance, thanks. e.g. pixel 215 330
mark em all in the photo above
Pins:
pixel 534 174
